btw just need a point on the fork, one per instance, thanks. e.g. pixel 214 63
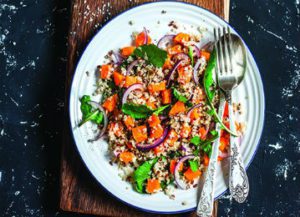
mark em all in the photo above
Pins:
pixel 227 80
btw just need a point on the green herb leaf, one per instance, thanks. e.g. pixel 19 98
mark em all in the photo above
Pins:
pixel 208 81
pixel 213 132
pixel 178 95
pixel 136 111
pixel 160 109
pixel 85 99
pixel 189 104
pixel 96 116
pixel 152 54
pixel 196 140
pixel 191 54
pixel 210 112
pixel 163 184
pixel 206 145
pixel 194 165
pixel 210 90
pixel 142 173
pixel 88 114
pixel 196 152
pixel 163 158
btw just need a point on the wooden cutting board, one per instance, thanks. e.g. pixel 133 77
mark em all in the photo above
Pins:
pixel 80 192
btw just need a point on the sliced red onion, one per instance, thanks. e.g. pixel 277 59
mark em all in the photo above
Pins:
pixel 181 56
pixel 196 51
pixel 162 118
pixel 116 152
pixel 195 72
pixel 155 143
pixel 117 58
pixel 208 46
pixel 195 106
pixel 129 89
pixel 180 183
pixel 131 65
pixel 182 147
pixel 146 36
pixel 164 40
pixel 199 64
pixel 105 120
pixel 171 74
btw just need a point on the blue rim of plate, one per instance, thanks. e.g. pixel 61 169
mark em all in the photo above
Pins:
pixel 252 157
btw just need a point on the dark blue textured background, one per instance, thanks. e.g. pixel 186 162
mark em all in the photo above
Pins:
pixel 32 73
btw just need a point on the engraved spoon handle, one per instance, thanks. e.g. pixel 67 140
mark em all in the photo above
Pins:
pixel 238 179
pixel 206 200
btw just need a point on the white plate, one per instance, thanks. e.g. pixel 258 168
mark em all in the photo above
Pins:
pixel 116 34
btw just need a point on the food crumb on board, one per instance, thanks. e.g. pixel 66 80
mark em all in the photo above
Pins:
pixel 163 12
pixel 183 203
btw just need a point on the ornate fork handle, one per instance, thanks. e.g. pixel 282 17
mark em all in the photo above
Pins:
pixel 238 179
pixel 206 201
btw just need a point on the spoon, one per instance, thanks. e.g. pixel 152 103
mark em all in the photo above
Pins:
pixel 231 68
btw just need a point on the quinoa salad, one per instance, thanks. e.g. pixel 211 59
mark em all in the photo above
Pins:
pixel 158 111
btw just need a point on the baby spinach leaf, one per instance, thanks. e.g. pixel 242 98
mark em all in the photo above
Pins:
pixel 141 111
pixel 142 173
pixel 152 54
pixel 136 111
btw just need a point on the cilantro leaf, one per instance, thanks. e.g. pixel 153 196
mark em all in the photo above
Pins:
pixel 191 54
pixel 160 109
pixel 194 165
pixel 136 111
pixel 152 54
pixel 142 173
pixel 88 114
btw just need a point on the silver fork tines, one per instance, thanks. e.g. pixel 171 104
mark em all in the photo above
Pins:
pixel 225 78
